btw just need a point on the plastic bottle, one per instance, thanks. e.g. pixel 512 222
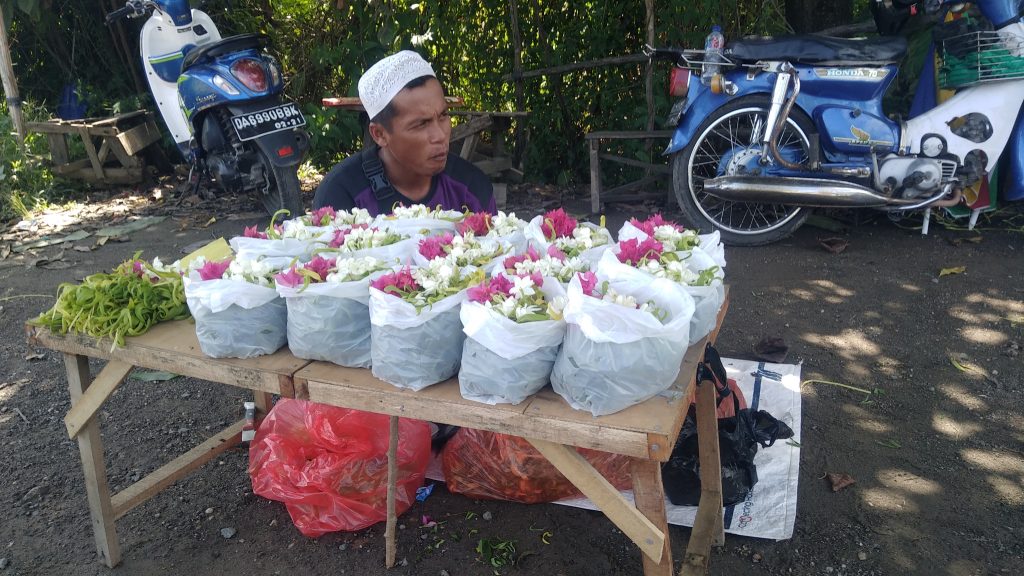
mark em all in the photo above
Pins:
pixel 712 55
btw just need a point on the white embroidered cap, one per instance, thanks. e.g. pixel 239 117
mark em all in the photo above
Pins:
pixel 385 79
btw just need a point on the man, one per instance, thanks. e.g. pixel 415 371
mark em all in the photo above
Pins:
pixel 409 163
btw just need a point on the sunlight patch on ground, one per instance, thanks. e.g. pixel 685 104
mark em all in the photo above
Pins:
pixel 887 499
pixel 994 461
pixel 1000 304
pixel 962 396
pixel 910 287
pixel 902 480
pixel 945 424
pixel 972 316
pixel 984 335
pixel 804 295
pixel 1012 492
pixel 832 287
pixel 851 345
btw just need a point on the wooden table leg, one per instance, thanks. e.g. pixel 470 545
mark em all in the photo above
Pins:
pixel 649 496
pixel 264 402
pixel 390 550
pixel 709 525
pixel 595 176
pixel 90 446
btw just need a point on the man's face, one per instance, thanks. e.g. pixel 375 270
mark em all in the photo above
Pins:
pixel 420 128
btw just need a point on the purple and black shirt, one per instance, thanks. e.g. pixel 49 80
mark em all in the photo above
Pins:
pixel 459 187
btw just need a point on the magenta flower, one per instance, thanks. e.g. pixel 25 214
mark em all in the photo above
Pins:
pixel 501 285
pixel 648 226
pixel 322 216
pixel 138 268
pixel 396 283
pixel 510 262
pixel 478 222
pixel 557 254
pixel 635 253
pixel 588 280
pixel 252 232
pixel 290 278
pixel 434 246
pixel 320 266
pixel 538 280
pixel 558 224
pixel 213 270
pixel 480 293
pixel 339 235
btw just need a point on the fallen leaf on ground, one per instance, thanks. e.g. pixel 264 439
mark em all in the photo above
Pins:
pixel 35 356
pixel 133 226
pixel 834 245
pixel 83 248
pixel 212 220
pixel 838 481
pixel 101 241
pixel 5 251
pixel 971 239
pixel 771 349
pixel 954 270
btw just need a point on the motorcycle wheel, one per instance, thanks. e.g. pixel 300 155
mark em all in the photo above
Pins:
pixel 735 128
pixel 285 192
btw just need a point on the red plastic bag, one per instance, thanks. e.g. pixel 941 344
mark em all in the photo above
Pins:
pixel 330 465
pixel 482 464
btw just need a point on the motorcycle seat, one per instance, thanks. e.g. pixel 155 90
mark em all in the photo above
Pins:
pixel 817 49
pixel 222 47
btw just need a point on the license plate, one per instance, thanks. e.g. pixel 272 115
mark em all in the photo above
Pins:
pixel 256 124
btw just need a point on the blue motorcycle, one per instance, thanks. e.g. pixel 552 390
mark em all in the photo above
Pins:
pixel 779 126
pixel 221 100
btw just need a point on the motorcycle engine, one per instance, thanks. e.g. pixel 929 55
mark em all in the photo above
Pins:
pixel 231 164
pixel 910 177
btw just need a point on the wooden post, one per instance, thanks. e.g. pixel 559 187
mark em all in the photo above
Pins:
pixel 90 447
pixel 649 79
pixel 11 85
pixel 517 71
pixel 595 176
pixel 390 550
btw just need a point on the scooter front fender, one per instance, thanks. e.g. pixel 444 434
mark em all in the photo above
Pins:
pixel 701 102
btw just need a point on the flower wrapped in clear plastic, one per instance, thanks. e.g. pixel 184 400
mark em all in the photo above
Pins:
pixel 624 341
pixel 506 228
pixel 328 308
pixel 513 327
pixel 361 241
pixel 556 228
pixel 419 219
pixel 462 249
pixel 238 313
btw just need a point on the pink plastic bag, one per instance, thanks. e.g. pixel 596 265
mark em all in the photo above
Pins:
pixel 330 465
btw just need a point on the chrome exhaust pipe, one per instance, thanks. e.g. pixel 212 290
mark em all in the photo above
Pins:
pixel 812 192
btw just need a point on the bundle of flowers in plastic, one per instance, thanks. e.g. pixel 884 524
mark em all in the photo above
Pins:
pixel 416 335
pixel 553 264
pixel 505 228
pixel 238 313
pixel 372 241
pixel 328 308
pixel 674 237
pixel 420 219
pixel 328 217
pixel 693 271
pixel 572 238
pixel 276 244
pixel 624 341
pixel 462 250
pixel 513 327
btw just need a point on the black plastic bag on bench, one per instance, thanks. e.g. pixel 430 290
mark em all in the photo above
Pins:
pixel 738 438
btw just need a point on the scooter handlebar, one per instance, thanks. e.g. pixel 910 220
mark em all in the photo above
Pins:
pixel 119 14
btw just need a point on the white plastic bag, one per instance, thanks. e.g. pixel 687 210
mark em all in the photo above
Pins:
pixel 422 226
pixel 535 236
pixel 613 356
pixel 489 244
pixel 236 319
pixel 413 349
pixel 504 361
pixel 709 243
pixel 398 253
pixel 279 253
pixel 330 321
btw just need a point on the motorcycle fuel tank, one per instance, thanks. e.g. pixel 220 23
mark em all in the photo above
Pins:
pixel 851 130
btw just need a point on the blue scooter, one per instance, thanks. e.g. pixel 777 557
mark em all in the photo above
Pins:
pixel 779 126
pixel 221 100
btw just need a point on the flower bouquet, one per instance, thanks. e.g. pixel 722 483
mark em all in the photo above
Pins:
pixel 558 229
pixel 554 264
pixel 674 237
pixel 505 228
pixel 328 308
pixel 513 327
pixel 277 244
pixel 462 250
pixel 419 219
pixel 327 217
pixel 362 241
pixel 416 335
pixel 624 342
pixel 237 311
pixel 693 271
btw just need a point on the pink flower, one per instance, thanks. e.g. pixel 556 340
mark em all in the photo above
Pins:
pixel 634 252
pixel 339 235
pixel 322 216
pixel 434 246
pixel 588 280
pixel 478 222
pixel 538 280
pixel 480 293
pixel 320 266
pixel 290 278
pixel 252 232
pixel 501 285
pixel 558 224
pixel 138 268
pixel 648 226
pixel 396 283
pixel 557 254
pixel 213 270
pixel 510 262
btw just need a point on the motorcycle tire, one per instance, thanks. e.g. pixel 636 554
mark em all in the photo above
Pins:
pixel 285 192
pixel 730 131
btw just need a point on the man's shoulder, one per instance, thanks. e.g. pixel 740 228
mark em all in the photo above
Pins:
pixel 349 170
pixel 342 183
pixel 462 170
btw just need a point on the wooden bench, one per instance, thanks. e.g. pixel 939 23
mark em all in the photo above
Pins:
pixel 122 136
pixel 653 172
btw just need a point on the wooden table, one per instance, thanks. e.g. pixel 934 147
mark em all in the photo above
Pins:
pixel 645 432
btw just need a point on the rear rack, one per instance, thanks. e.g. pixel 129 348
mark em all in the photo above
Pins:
pixel 977 57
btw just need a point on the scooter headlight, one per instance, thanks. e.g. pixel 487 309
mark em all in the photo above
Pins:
pixel 251 74
pixel 220 82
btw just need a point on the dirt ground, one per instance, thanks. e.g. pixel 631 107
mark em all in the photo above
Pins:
pixel 937 455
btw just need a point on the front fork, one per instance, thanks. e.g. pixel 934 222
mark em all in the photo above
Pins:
pixel 778 114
